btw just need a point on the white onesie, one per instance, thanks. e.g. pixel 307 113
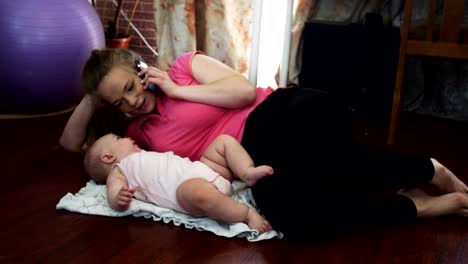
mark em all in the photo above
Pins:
pixel 156 176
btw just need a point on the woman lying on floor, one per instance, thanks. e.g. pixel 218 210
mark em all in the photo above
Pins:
pixel 303 134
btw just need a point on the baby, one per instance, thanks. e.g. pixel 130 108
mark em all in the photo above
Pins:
pixel 200 188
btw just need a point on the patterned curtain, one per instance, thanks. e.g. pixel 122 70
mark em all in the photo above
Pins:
pixel 345 10
pixel 220 28
pixel 304 9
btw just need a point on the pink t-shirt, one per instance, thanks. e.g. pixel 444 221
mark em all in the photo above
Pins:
pixel 187 128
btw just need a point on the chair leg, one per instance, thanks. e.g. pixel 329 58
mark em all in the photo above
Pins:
pixel 397 98
pixel 400 74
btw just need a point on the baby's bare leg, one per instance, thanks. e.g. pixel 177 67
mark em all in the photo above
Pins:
pixel 214 157
pixel 202 198
pixel 256 221
pixel 226 154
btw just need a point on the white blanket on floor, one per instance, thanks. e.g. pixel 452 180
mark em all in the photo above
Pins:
pixel 92 199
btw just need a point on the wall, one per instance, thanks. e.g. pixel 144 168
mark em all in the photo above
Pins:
pixel 143 20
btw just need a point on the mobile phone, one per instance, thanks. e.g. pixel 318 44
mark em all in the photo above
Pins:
pixel 139 65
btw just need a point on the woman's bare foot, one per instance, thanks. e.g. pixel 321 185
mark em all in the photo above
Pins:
pixel 431 206
pixel 253 174
pixel 257 222
pixel 445 180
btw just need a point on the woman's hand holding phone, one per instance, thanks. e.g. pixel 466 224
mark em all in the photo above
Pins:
pixel 142 69
pixel 153 79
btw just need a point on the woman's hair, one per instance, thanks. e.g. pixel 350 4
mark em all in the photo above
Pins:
pixel 101 62
pixel 106 120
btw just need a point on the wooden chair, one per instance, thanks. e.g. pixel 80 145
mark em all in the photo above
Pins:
pixel 443 40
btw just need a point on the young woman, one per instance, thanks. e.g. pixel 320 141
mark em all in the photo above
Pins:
pixel 303 134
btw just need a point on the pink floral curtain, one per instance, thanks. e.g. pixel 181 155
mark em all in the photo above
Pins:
pixel 346 10
pixel 303 11
pixel 221 28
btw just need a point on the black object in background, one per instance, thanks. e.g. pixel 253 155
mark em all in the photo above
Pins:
pixel 355 61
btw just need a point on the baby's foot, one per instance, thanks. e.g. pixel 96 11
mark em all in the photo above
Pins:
pixel 431 206
pixel 445 180
pixel 257 222
pixel 253 174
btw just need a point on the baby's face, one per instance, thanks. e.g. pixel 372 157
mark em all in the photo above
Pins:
pixel 118 146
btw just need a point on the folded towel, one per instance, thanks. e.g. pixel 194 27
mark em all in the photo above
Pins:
pixel 92 199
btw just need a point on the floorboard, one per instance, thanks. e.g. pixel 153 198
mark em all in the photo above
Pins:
pixel 36 173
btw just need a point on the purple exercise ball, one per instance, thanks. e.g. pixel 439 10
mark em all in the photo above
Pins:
pixel 45 44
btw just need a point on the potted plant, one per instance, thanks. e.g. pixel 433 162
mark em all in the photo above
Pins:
pixel 115 38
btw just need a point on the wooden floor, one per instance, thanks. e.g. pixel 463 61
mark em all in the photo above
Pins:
pixel 36 173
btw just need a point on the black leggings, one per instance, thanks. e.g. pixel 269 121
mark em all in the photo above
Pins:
pixel 306 136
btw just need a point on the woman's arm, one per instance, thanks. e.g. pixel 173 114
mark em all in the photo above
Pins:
pixel 74 133
pixel 219 84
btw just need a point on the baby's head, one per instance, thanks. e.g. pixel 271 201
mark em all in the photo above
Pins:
pixel 104 153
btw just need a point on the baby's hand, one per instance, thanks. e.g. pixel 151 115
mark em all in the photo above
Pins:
pixel 124 197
